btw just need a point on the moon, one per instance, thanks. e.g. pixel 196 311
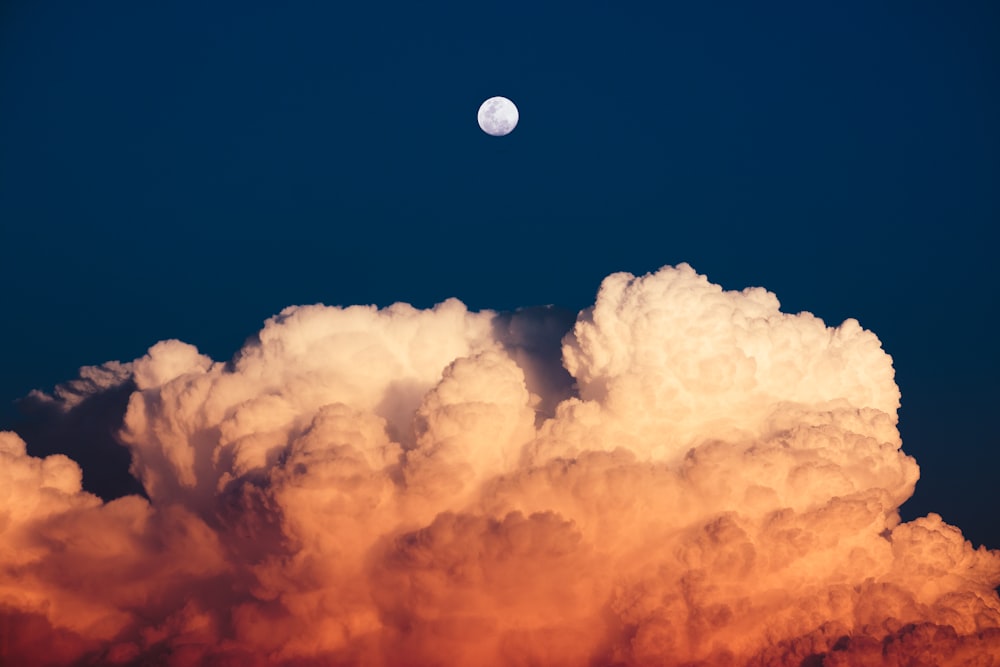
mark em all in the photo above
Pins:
pixel 498 116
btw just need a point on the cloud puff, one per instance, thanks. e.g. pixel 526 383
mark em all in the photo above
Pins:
pixel 689 477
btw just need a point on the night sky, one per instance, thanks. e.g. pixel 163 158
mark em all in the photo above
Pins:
pixel 185 170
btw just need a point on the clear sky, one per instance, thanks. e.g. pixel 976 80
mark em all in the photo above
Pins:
pixel 186 169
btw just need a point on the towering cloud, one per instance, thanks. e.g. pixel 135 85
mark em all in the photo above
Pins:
pixel 691 478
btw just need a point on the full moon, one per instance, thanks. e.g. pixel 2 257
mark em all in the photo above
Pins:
pixel 498 116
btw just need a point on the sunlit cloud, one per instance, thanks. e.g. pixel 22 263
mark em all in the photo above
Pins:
pixel 683 475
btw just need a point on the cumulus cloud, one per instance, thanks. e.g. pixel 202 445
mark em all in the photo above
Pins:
pixel 682 476
pixel 82 416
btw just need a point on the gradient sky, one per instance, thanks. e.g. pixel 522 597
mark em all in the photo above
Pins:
pixel 185 170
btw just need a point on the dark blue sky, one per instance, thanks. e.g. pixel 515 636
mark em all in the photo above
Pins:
pixel 187 169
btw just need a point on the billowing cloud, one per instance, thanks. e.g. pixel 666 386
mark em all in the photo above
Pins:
pixel 692 477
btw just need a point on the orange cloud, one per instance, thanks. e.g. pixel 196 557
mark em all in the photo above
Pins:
pixel 719 486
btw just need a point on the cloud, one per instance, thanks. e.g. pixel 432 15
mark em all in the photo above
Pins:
pixel 683 475
pixel 82 416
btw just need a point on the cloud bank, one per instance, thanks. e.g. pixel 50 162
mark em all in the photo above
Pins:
pixel 691 478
